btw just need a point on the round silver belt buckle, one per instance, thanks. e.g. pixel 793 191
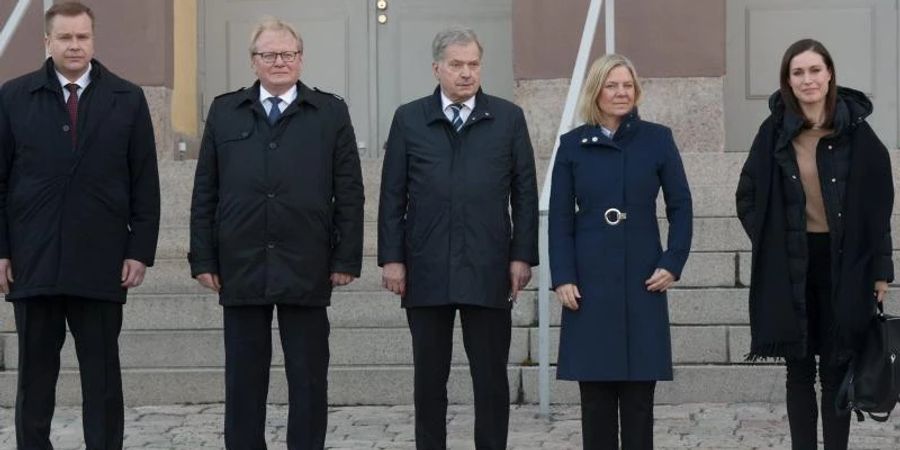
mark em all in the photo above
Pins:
pixel 613 216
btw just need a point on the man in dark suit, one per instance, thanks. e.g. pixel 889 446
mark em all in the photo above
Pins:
pixel 276 220
pixel 455 162
pixel 79 219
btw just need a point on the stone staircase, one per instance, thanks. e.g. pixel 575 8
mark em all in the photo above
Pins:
pixel 172 350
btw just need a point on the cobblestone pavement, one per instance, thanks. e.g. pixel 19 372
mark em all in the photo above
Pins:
pixel 707 425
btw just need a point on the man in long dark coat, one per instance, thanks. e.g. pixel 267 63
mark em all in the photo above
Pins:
pixel 79 219
pixel 276 220
pixel 456 162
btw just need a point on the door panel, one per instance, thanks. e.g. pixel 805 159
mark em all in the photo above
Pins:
pixel 335 56
pixel 374 66
pixel 404 49
pixel 860 34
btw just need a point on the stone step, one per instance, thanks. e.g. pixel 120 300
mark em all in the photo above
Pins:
pixel 745 263
pixel 692 384
pixel 346 386
pixel 703 269
pixel 716 234
pixel 378 346
pixel 701 168
pixel 205 349
pixel 394 386
pixel 352 309
pixel 174 242
pixel 711 234
pixel 691 344
pixel 716 306
pixel 201 311
pixel 176 182
pixel 713 178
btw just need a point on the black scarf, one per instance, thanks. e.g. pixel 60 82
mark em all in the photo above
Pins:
pixel 775 328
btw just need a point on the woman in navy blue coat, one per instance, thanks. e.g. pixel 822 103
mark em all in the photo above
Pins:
pixel 608 267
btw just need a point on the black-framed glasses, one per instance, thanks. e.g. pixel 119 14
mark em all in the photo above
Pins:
pixel 270 57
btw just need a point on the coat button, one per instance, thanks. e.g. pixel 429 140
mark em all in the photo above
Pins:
pixel 270 246
pixel 270 195
pixel 594 139
pixel 834 180
pixel 793 177
pixel 245 134
pixel 273 145
pixel 829 147
pixel 66 128
pixel 584 141
pixel 839 215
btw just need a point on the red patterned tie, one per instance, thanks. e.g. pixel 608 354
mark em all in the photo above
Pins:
pixel 72 106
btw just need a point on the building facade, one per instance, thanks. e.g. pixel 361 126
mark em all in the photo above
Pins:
pixel 707 67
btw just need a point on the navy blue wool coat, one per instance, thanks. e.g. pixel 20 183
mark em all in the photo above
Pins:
pixel 621 331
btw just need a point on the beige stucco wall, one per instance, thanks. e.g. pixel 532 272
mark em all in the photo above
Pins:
pixel 185 116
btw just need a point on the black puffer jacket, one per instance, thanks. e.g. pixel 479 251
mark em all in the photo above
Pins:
pixel 835 155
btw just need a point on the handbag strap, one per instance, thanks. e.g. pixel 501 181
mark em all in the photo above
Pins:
pixel 846 394
pixel 875 417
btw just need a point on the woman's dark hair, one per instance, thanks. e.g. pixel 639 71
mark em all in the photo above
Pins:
pixel 787 94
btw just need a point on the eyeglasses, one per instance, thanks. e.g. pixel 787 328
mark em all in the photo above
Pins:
pixel 270 57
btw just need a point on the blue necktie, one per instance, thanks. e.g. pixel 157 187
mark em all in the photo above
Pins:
pixel 457 121
pixel 275 111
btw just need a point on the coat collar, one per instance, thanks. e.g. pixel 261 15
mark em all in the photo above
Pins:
pixel 592 135
pixel 250 96
pixel 47 79
pixel 851 109
pixel 434 109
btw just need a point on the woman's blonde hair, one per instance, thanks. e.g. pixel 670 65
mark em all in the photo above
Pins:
pixel 597 75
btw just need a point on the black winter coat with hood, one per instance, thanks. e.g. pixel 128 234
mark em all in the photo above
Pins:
pixel 855 175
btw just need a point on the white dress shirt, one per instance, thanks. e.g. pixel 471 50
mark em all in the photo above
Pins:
pixel 464 112
pixel 82 83
pixel 286 99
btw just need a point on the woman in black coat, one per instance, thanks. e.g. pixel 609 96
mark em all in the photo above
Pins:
pixel 815 197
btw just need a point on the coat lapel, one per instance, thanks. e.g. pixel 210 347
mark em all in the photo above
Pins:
pixel 434 113
pixel 481 112
pixel 99 106
pixel 94 113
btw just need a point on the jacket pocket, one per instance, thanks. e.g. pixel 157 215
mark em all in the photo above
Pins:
pixel 234 135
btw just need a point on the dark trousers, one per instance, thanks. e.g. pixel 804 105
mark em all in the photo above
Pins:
pixel 602 405
pixel 801 372
pixel 486 337
pixel 248 355
pixel 41 328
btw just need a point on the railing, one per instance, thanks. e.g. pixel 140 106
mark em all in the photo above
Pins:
pixel 12 24
pixel 565 124
pixel 15 18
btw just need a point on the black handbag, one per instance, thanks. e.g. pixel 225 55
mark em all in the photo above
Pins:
pixel 871 385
